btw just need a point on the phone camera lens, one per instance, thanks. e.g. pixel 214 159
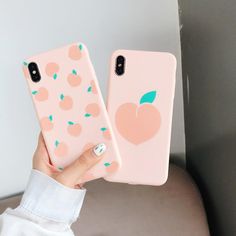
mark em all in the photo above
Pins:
pixel 120 65
pixel 120 59
pixel 34 72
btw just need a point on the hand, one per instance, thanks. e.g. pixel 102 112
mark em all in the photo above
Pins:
pixel 71 175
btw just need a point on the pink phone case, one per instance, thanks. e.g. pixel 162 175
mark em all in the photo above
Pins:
pixel 140 104
pixel 70 108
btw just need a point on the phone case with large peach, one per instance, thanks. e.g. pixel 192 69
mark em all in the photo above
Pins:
pixel 70 108
pixel 140 104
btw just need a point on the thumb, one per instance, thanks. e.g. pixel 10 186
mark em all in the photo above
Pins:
pixel 41 157
pixel 72 173
pixel 41 143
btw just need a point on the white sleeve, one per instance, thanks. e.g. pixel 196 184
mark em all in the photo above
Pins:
pixel 47 208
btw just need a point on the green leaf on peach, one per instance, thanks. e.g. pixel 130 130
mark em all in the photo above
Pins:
pixel 56 143
pixel 89 89
pixel 62 96
pixel 87 115
pixel 103 129
pixel 148 97
pixel 107 164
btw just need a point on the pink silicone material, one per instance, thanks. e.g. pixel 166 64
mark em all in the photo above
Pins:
pixel 70 108
pixel 140 104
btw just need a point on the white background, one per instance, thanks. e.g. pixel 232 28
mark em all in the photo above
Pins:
pixel 30 27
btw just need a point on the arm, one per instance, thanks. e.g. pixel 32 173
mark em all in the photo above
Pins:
pixel 52 200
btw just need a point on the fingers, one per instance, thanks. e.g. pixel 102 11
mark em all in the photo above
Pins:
pixel 71 174
pixel 40 140
pixel 41 143
pixel 41 160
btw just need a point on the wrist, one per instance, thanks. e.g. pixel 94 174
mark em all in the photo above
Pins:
pixel 49 199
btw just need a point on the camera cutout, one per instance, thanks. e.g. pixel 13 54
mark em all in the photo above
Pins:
pixel 120 65
pixel 34 72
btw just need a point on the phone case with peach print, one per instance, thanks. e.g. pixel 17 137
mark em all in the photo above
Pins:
pixel 140 104
pixel 70 108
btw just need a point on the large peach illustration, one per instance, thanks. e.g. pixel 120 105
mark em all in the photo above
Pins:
pixel 61 149
pixel 111 167
pixel 92 109
pixel 106 133
pixel 75 52
pixel 47 123
pixel 66 102
pixel 92 88
pixel 74 129
pixel 52 70
pixel 41 94
pixel 74 79
pixel 138 123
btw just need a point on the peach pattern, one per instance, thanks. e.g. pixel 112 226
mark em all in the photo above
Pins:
pixel 25 70
pixel 138 124
pixel 52 69
pixel 61 149
pixel 75 52
pixel 74 79
pixel 47 123
pixel 74 129
pixel 92 109
pixel 66 102
pixel 41 94
pixel 68 105
pixel 92 88
pixel 111 167
pixel 106 133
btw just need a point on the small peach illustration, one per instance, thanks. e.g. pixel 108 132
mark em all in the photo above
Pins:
pixel 92 88
pixel 52 70
pixel 138 124
pixel 47 123
pixel 74 79
pixel 111 167
pixel 61 149
pixel 74 129
pixel 92 109
pixel 106 133
pixel 41 94
pixel 25 70
pixel 66 102
pixel 87 146
pixel 75 52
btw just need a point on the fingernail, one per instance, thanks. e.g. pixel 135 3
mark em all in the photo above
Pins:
pixel 99 149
